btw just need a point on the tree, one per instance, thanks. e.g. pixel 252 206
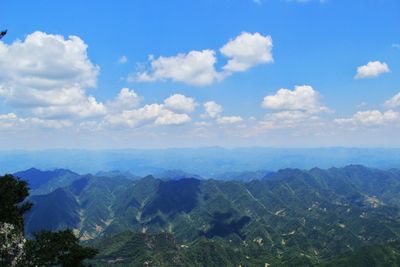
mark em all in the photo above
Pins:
pixel 57 248
pixel 47 248
pixel 12 244
pixel 13 192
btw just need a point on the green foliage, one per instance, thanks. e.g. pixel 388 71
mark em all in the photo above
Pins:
pixel 57 248
pixel 47 248
pixel 376 255
pixel 11 245
pixel 12 194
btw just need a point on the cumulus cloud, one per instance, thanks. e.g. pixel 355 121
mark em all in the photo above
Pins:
pixel 135 117
pixel 156 113
pixel 168 117
pixel 302 98
pixel 194 68
pixel 48 73
pixel 289 119
pixel 229 119
pixel 87 107
pixel 370 118
pixel 12 121
pixel 246 51
pixel 171 112
pixel 394 102
pixel 293 108
pixel 211 109
pixel 126 99
pixel 180 102
pixel 371 70
pixel 198 67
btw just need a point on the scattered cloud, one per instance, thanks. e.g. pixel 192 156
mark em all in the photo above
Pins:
pixel 194 68
pixel 394 102
pixel 247 50
pixel 370 118
pixel 293 108
pixel 12 121
pixel 126 99
pixel 86 108
pixel 171 112
pixel 122 60
pixel 371 70
pixel 289 119
pixel 229 119
pixel 302 98
pixel 198 68
pixel 211 109
pixel 178 102
pixel 170 118
pixel 49 75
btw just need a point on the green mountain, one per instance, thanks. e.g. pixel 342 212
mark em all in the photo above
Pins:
pixel 289 218
pixel 42 182
pixel 85 206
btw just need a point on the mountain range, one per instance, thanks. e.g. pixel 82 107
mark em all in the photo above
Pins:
pixel 290 217
pixel 207 162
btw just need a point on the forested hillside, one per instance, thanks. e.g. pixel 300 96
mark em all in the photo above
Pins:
pixel 288 218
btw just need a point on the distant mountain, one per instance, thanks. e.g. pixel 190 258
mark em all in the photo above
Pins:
pixel 85 206
pixel 175 175
pixel 293 217
pixel 245 176
pixel 41 182
pixel 207 162
pixel 116 173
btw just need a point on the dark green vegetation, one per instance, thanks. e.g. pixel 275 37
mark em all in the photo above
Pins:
pixel 12 194
pixel 55 249
pixel 46 248
pixel 335 217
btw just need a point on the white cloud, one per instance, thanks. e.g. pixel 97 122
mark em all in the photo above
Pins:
pixel 394 102
pixel 194 68
pixel 211 109
pixel 180 102
pixel 12 121
pixel 246 51
pixel 87 107
pixel 229 119
pixel 170 118
pixel 202 123
pixel 371 70
pixel 198 67
pixel 302 98
pixel 371 118
pixel 48 74
pixel 172 112
pixel 126 99
pixel 289 119
pixel 122 60
pixel 135 117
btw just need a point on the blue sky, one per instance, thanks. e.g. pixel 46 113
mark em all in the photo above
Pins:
pixel 338 63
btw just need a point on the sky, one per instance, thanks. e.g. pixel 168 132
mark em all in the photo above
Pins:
pixel 156 74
